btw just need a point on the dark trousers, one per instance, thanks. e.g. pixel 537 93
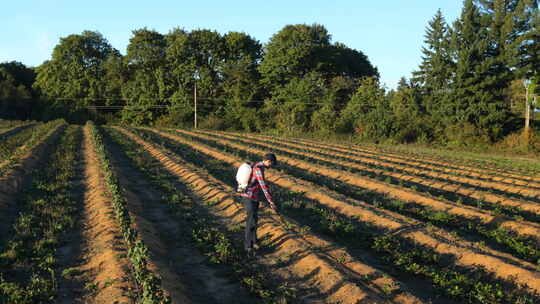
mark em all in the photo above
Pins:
pixel 252 209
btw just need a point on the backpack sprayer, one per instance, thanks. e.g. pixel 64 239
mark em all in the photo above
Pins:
pixel 242 178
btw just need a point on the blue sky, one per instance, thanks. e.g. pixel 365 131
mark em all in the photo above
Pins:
pixel 389 32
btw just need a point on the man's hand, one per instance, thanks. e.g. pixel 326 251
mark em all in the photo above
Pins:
pixel 273 206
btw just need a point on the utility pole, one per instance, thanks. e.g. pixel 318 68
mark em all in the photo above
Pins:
pixel 195 98
pixel 526 83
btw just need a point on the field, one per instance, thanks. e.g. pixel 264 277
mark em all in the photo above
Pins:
pixel 103 214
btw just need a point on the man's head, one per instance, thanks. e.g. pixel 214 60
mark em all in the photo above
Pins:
pixel 269 160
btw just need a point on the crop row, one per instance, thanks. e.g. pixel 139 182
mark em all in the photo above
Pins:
pixel 9 144
pixel 394 164
pixel 450 167
pixel 289 248
pixel 435 184
pixel 148 282
pixel 8 124
pixel 496 204
pixel 524 246
pixel 47 208
pixel 498 165
pixel 13 147
pixel 439 268
pixel 463 221
pixel 448 160
pixel 466 161
pixel 218 244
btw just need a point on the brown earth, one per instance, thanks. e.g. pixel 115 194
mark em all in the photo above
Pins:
pixel 521 227
pixel 103 261
pixel 465 171
pixel 19 175
pixel 15 130
pixel 467 254
pixel 381 158
pixel 464 190
pixel 186 277
pixel 434 160
pixel 315 274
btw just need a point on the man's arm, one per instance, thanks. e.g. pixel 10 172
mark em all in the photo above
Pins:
pixel 260 178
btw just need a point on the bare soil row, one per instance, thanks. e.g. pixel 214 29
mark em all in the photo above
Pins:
pixel 499 174
pixel 521 227
pixel 103 262
pixel 464 187
pixel 440 241
pixel 15 130
pixel 309 269
pixel 15 178
pixel 412 166
pixel 189 279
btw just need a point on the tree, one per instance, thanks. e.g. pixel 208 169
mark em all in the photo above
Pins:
pixel 21 74
pixel 437 68
pixel 241 78
pixel 291 106
pixel 15 90
pixel 293 52
pixel 146 85
pixel 346 62
pixel 74 77
pixel 297 50
pixel 75 70
pixel 477 95
pixel 368 112
pixel 410 120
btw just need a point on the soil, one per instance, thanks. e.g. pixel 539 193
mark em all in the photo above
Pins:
pixel 465 190
pixel 100 267
pixel 314 274
pixel 185 274
pixel 15 130
pixel 466 254
pixel 522 227
pixel 433 160
pixel 17 177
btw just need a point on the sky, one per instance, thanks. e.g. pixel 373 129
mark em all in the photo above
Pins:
pixel 390 32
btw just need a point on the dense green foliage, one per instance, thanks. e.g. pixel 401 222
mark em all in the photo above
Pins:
pixel 15 90
pixel 468 89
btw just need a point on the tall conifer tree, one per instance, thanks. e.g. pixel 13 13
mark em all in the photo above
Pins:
pixel 477 97
pixel 437 67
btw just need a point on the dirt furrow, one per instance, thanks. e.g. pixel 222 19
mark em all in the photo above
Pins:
pixel 467 255
pixel 15 130
pixel 392 161
pixel 449 187
pixel 15 178
pixel 103 262
pixel 464 190
pixel 189 279
pixel 522 227
pixel 503 173
pixel 314 269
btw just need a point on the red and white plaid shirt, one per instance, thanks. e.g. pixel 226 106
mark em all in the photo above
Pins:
pixel 256 182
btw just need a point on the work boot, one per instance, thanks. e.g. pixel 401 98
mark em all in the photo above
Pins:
pixel 250 253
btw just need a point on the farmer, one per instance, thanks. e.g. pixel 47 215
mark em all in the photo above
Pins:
pixel 251 202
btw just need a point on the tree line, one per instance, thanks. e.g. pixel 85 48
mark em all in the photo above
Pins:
pixel 468 87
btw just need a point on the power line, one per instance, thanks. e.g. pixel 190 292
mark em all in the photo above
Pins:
pixel 176 100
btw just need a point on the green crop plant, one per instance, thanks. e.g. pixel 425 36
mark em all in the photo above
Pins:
pixel 138 255
pixel 215 243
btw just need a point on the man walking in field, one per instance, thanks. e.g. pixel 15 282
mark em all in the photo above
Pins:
pixel 251 202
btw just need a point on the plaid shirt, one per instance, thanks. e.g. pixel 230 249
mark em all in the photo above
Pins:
pixel 256 182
